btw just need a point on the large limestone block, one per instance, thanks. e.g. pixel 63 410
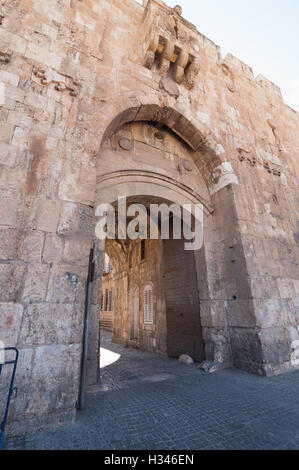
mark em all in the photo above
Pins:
pixel 67 284
pixel 247 349
pixel 46 324
pixel 54 379
pixel 73 189
pixel 8 208
pixel 6 132
pixel 31 247
pixel 213 314
pixel 48 216
pixel 277 347
pixel 7 154
pixel 22 382
pixel 8 244
pixel 69 218
pixel 53 249
pixel 36 281
pixel 10 322
pixel 77 251
pixel 11 281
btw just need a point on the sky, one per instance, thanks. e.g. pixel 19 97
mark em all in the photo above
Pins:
pixel 262 33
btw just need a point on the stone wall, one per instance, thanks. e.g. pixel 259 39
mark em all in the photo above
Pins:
pixel 72 73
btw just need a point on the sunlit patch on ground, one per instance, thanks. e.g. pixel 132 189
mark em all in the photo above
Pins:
pixel 108 357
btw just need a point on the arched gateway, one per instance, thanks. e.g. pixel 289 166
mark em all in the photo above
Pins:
pixel 159 157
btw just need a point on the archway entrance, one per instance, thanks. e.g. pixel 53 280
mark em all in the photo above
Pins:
pixel 152 154
pixel 150 163
pixel 156 299
pixel 156 306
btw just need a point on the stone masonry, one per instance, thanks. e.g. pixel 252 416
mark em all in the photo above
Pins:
pixel 102 98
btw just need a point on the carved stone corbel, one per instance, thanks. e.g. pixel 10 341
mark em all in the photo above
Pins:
pixel 246 155
pixel 40 73
pixel 166 57
pixel 73 88
pixel 46 78
pixel 180 65
pixel 191 73
pixel 151 52
pixel 60 86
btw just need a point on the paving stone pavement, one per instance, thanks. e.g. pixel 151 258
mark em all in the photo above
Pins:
pixel 151 402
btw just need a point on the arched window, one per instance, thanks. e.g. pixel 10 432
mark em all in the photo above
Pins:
pixel 148 305
pixel 106 300
pixel 142 250
pixel 111 300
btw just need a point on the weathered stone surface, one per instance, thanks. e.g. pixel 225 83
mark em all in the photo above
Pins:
pixel 170 87
pixel 22 382
pixel 60 364
pixel 77 251
pixel 49 215
pixel 8 209
pixel 36 282
pixel 66 284
pixel 10 322
pixel 31 246
pixel 11 281
pixel 46 324
pixel 8 243
pixel 6 132
pixel 7 154
pixel 53 249
pixel 69 218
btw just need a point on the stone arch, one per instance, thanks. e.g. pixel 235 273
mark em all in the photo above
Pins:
pixel 218 175
pixel 171 113
pixel 146 184
pixel 116 254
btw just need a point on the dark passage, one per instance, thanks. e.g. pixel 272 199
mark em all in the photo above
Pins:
pixel 184 333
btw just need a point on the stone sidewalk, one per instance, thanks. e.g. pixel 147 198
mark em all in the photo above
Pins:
pixel 151 402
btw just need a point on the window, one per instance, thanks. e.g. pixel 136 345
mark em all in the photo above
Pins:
pixel 142 250
pixel 110 301
pixel 148 305
pixel 106 300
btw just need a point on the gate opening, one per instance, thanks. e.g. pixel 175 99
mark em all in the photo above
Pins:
pixel 150 298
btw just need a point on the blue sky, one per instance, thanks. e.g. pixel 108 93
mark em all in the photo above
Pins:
pixel 262 33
